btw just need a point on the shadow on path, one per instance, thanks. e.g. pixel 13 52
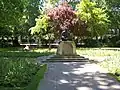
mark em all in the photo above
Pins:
pixel 77 76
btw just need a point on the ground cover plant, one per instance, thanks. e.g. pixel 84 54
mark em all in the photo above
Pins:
pixel 18 68
pixel 17 72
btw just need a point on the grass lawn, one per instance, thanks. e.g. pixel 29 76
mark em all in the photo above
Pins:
pixel 111 63
pixel 19 68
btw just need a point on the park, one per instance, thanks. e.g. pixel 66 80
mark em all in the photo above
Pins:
pixel 60 45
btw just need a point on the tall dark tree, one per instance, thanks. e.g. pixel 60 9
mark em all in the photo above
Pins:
pixel 18 16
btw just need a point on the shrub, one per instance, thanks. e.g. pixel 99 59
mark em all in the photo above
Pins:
pixel 17 72
pixel 92 43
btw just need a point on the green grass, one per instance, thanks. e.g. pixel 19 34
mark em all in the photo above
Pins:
pixel 11 49
pixel 36 80
pixel 97 52
pixel 111 63
pixel 18 68
pixel 33 85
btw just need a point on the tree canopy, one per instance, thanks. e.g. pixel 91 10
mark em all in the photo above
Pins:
pixel 95 17
pixel 86 17
pixel 11 12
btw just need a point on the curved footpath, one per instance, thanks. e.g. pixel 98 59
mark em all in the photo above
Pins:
pixel 77 76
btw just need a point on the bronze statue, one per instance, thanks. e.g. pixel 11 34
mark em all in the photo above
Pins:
pixel 65 35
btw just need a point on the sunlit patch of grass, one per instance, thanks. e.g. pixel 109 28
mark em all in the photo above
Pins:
pixel 97 52
pixel 112 64
pixel 53 50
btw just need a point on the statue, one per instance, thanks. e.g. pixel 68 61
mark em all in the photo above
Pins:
pixel 66 46
pixel 65 35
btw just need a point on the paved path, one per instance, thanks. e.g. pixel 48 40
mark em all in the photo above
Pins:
pixel 77 76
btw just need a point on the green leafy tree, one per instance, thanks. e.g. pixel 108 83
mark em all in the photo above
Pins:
pixel 43 28
pixel 59 18
pixel 112 9
pixel 18 16
pixel 11 12
pixel 96 18
pixel 41 25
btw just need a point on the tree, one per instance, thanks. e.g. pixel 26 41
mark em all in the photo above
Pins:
pixel 11 12
pixel 18 16
pixel 60 18
pixel 95 17
pixel 64 17
pixel 113 11
pixel 42 24
pixel 43 28
pixel 11 15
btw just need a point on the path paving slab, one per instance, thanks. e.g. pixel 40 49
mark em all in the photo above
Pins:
pixel 77 76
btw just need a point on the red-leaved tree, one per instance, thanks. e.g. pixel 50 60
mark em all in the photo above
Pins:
pixel 64 18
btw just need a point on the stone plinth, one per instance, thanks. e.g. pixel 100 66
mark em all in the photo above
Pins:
pixel 66 48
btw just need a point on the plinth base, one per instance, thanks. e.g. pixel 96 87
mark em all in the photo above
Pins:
pixel 66 48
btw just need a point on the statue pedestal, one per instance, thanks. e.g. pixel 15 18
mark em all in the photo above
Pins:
pixel 66 48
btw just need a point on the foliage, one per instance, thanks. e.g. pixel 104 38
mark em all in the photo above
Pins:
pixel 36 80
pixel 18 68
pixel 11 12
pixel 16 12
pixel 42 24
pixel 17 17
pixel 109 55
pixel 63 16
pixel 88 16
pixel 92 43
pixel 48 4
pixel 96 18
pixel 113 11
pixel 56 19
pixel 17 72
pixel 43 28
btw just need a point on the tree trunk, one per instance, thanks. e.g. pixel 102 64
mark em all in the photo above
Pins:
pixel 49 43
pixel 15 42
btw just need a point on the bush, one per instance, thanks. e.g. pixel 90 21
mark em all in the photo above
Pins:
pixel 113 41
pixel 118 43
pixel 92 43
pixel 17 72
pixel 4 43
pixel 21 54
